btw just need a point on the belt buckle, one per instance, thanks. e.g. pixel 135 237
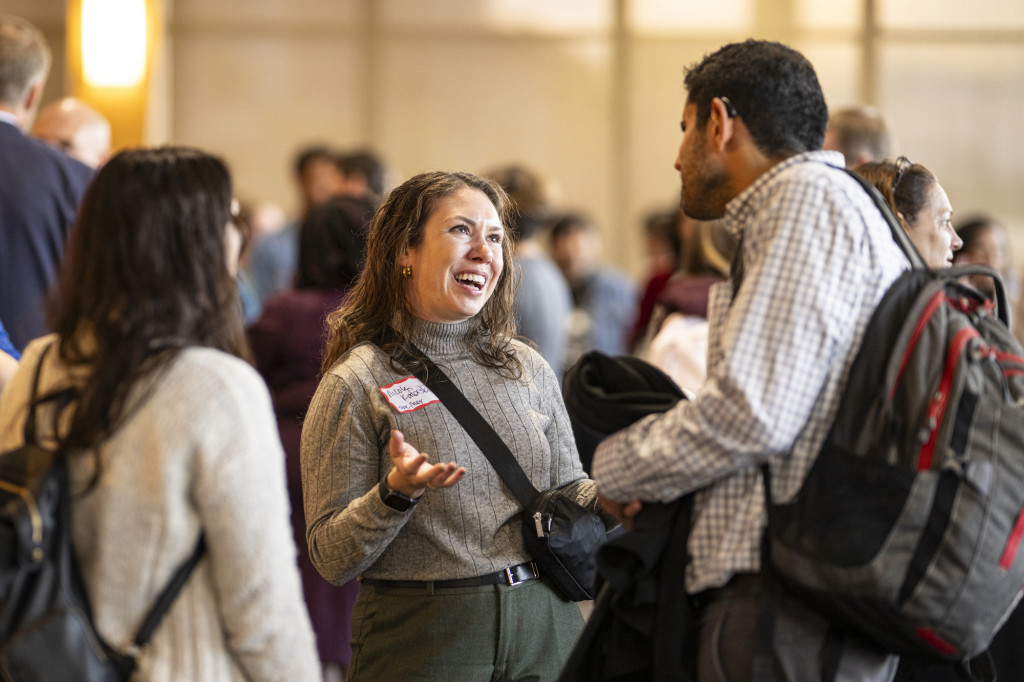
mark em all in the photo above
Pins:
pixel 511 578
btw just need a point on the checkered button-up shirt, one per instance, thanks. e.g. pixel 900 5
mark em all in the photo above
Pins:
pixel 817 258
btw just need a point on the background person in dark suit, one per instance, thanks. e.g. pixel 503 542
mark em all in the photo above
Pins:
pixel 39 186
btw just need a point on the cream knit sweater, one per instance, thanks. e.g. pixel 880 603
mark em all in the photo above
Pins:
pixel 200 454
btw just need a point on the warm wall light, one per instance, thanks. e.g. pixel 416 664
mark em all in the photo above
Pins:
pixel 114 42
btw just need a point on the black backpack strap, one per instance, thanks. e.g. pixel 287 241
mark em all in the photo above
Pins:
pixel 33 403
pixel 63 398
pixel 167 597
pixel 489 442
pixel 762 666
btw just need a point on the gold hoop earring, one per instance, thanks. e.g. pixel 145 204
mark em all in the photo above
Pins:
pixel 407 271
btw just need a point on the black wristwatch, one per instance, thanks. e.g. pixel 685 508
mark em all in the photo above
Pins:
pixel 394 499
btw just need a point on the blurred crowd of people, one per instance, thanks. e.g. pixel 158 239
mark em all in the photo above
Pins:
pixel 160 292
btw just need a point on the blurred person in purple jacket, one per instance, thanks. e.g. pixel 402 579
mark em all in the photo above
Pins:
pixel 287 341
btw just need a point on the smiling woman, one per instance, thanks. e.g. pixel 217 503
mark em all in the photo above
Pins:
pixel 449 590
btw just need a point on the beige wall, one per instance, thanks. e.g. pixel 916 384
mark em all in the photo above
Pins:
pixel 586 91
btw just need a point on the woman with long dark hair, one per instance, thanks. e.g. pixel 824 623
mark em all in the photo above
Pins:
pixel 170 434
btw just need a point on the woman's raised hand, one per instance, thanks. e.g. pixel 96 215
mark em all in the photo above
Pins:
pixel 413 474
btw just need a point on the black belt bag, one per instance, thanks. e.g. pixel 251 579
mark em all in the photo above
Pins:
pixel 561 536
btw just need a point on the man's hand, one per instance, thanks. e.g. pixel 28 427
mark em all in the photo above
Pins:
pixel 624 512
pixel 413 474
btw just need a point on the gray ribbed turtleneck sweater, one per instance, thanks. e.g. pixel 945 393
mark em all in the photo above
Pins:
pixel 470 529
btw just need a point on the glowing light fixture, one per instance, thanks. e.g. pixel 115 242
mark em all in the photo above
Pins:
pixel 114 42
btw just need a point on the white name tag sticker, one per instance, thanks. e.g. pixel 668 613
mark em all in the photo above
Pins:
pixel 409 395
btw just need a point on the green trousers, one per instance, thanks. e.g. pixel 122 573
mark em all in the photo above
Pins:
pixel 472 634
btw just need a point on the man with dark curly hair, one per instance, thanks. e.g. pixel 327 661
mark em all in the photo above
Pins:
pixel 815 257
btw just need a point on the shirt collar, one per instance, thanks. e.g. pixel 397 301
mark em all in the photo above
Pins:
pixel 745 202
pixel 8 117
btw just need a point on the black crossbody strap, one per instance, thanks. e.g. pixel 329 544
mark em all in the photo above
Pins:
pixel 168 595
pixel 489 442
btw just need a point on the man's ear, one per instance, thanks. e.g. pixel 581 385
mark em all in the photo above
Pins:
pixel 720 126
pixel 35 91
pixel 31 101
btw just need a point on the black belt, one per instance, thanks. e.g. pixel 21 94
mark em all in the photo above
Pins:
pixel 513 575
pixel 740 585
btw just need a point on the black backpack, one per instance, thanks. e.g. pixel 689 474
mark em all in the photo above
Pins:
pixel 908 526
pixel 46 627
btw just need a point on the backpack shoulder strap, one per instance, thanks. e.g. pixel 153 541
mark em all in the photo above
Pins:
pixel 33 400
pixel 166 598
pixel 62 397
